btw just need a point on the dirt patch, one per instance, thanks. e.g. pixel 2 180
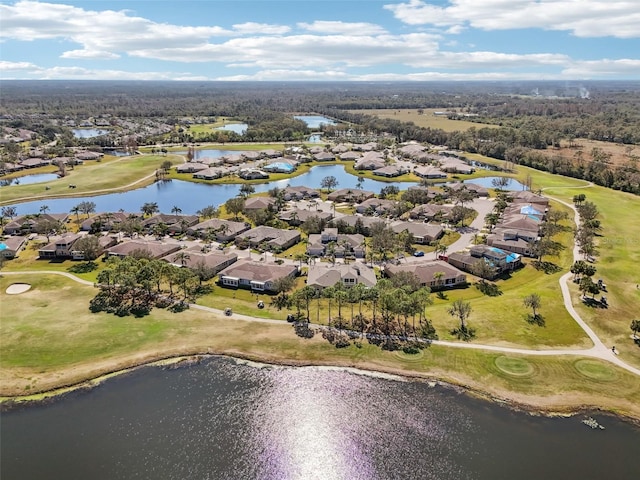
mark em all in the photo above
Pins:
pixel 18 288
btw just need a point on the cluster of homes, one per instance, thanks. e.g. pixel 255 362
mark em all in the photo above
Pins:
pixel 36 158
pixel 253 165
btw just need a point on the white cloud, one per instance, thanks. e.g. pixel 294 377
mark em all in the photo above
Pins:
pixel 584 18
pixel 260 29
pixel 347 28
pixel 89 55
pixel 16 66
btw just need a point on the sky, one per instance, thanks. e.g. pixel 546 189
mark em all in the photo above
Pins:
pixel 320 40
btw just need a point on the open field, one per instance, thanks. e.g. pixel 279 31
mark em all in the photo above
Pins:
pixel 63 344
pixel 109 175
pixel 619 247
pixel 619 153
pixel 426 119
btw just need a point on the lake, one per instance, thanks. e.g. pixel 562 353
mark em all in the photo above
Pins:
pixel 223 419
pixel 28 179
pixel 513 185
pixel 191 197
pixel 88 132
pixel 314 121
pixel 238 128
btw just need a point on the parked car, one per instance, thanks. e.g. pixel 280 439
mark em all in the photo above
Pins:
pixel 418 253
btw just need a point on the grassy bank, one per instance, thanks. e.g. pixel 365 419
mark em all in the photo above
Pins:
pixel 109 175
pixel 50 340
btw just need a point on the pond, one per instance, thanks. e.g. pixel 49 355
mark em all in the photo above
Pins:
pixel 238 128
pixel 28 179
pixel 487 182
pixel 314 121
pixel 191 197
pixel 315 138
pixel 88 132
pixel 209 153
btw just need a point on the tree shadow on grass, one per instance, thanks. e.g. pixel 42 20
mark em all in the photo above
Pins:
pixel 546 267
pixel 593 303
pixel 536 319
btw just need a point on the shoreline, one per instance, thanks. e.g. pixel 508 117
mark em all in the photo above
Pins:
pixel 9 402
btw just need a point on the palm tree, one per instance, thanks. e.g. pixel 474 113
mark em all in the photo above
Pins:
pixel 44 209
pixel 183 257
pixel 76 210
pixel 462 310
pixel 176 210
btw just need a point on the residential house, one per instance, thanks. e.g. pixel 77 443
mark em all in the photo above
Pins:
pixel 25 224
pixel 329 242
pixel 191 167
pixel 153 249
pixel 480 191
pixel 324 157
pixel 210 173
pixel 259 203
pixel 500 260
pixel 376 206
pixel 295 217
pixel 176 223
pixel 59 248
pixel 107 221
pixel 350 156
pixel 423 233
pixel 431 211
pixel 300 193
pixel 349 195
pixel 411 150
pixel 252 174
pixel 434 274
pixel 429 172
pixel 11 246
pixel 194 256
pixel 256 276
pixel 390 171
pixel 370 161
pixel 274 238
pixel 358 222
pixel 455 165
pixel 321 276
pixel 225 230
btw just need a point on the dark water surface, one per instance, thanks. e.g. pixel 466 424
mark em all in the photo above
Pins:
pixel 224 420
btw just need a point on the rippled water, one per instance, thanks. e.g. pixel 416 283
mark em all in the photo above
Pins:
pixel 224 420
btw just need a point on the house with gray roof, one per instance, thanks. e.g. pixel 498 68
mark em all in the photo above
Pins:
pixel 434 274
pixel 423 233
pixel 194 256
pixel 275 238
pixel 225 230
pixel 349 195
pixel 256 276
pixel 321 276
pixel 297 216
pixel 153 249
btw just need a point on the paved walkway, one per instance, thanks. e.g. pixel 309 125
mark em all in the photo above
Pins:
pixel 483 206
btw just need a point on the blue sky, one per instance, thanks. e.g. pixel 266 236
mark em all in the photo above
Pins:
pixel 362 40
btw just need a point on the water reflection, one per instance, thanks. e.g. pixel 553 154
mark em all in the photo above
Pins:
pixel 223 420
pixel 191 197
pixel 88 132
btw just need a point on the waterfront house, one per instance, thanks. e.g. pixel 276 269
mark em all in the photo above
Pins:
pixel 273 238
pixel 259 203
pixel 349 195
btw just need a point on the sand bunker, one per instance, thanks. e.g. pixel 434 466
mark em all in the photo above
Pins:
pixel 17 288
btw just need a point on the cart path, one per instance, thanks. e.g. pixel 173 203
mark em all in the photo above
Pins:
pixel 599 350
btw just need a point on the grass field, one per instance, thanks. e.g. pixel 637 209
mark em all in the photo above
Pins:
pixel 619 153
pixel 50 339
pixel 112 173
pixel 427 119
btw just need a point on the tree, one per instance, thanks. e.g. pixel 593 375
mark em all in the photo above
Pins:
pixel 44 209
pixel 247 189
pixel 329 183
pixel 533 302
pixel 281 286
pixel 49 227
pixel 87 208
pixel 482 269
pixel 89 245
pixel 8 212
pixel 209 212
pixel 578 199
pixel 235 206
pixel 76 211
pixel 462 310
pixel 500 182
pixel 176 210
pixel 149 208
pixel 635 328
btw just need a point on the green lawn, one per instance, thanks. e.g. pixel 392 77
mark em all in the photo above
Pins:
pixel 50 339
pixel 112 173
pixel 426 119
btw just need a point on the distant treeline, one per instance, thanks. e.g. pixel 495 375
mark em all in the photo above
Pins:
pixel 528 115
